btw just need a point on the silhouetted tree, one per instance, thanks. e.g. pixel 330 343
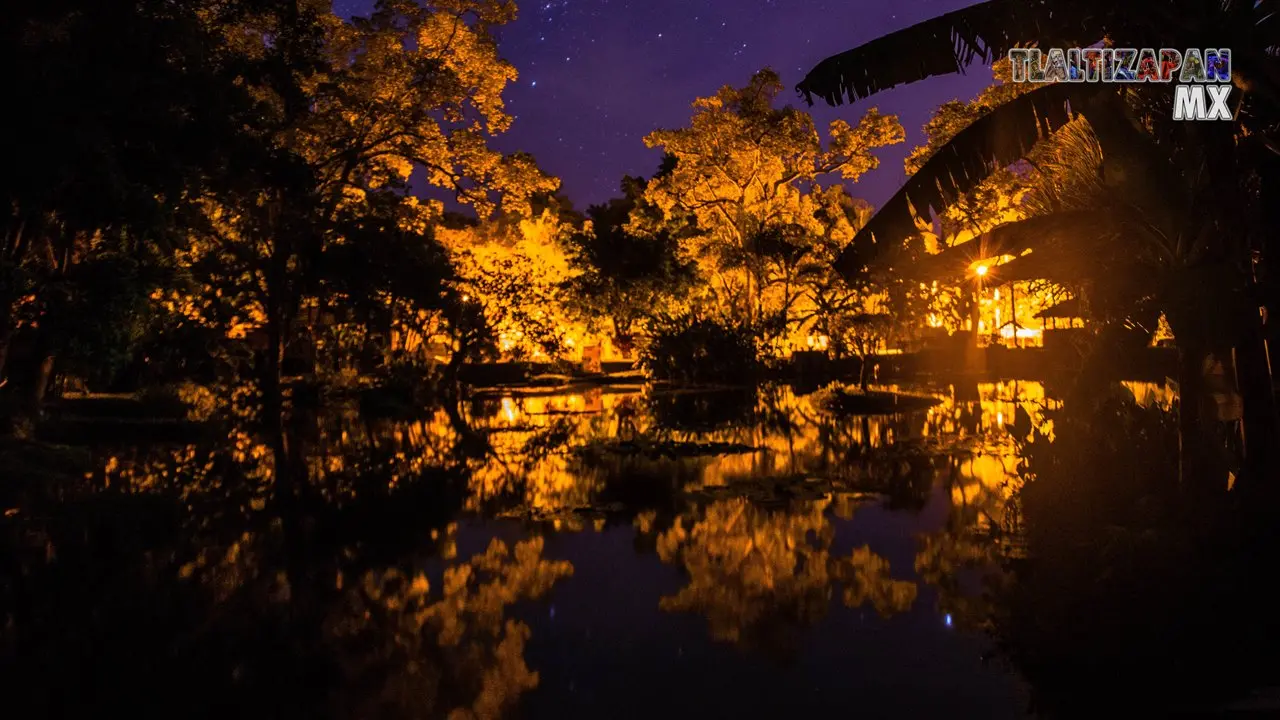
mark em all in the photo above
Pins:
pixel 626 276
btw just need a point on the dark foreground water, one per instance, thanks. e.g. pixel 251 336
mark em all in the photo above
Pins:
pixel 596 554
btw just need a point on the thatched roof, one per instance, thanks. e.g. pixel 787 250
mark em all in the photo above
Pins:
pixel 1050 239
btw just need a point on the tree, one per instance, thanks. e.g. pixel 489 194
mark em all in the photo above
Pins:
pixel 624 275
pixel 351 109
pixel 394 280
pixel 513 268
pixel 105 144
pixel 742 170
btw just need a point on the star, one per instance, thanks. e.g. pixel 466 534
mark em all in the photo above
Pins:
pixel 601 83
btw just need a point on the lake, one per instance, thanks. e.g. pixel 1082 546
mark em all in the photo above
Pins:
pixel 626 552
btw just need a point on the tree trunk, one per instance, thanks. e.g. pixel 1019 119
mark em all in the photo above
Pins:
pixel 1191 440
pixel 1254 379
pixel 28 382
pixel 975 312
pixel 5 336
pixel 974 360
pixel 272 418
pixel 864 373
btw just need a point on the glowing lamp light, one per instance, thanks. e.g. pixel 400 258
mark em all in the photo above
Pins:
pixel 1022 333
pixel 819 342
pixel 981 270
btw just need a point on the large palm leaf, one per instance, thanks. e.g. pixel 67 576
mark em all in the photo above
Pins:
pixel 947 44
pixel 985 31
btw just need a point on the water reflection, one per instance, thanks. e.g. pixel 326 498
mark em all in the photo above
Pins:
pixel 775 514
pixel 755 574
pixel 419 654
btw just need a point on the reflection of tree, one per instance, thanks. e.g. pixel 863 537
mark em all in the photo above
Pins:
pixel 427 655
pixel 756 574
pixel 867 580
pixel 957 558
pixel 1134 587
pixel 944 561
pixel 681 413
pixel 170 576
pixel 748 567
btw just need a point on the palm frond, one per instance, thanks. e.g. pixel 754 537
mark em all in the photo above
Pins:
pixel 1068 171
pixel 947 44
pixel 995 140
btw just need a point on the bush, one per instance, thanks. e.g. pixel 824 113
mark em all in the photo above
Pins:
pixel 695 350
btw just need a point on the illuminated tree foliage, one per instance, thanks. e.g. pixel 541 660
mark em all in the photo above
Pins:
pixel 412 86
pixel 994 200
pixel 745 179
pixel 513 268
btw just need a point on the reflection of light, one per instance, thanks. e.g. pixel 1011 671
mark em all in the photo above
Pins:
pixel 509 409
pixel 934 321
pixel 948 619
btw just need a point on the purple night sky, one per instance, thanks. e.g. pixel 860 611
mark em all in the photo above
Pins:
pixel 596 76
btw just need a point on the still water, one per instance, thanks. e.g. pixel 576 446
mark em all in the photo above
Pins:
pixel 601 553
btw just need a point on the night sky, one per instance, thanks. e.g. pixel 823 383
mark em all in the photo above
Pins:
pixel 596 76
